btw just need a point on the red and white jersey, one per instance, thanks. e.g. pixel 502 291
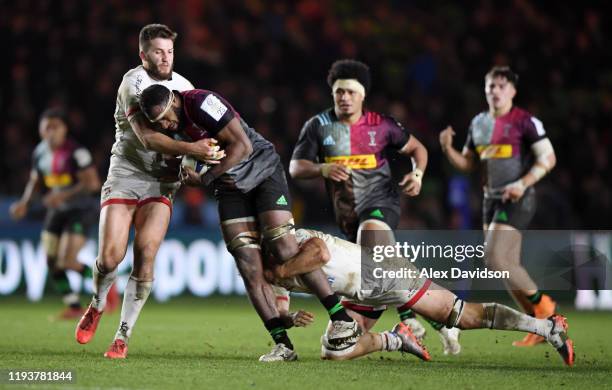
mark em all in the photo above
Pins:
pixel 127 146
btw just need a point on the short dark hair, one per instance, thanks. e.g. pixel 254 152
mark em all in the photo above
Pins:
pixel 153 99
pixel 152 31
pixel 55 113
pixel 350 69
pixel 503 71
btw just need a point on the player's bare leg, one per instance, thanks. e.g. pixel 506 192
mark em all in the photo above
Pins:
pixel 72 310
pixel 115 222
pixel 242 239
pixel 279 238
pixel 504 253
pixel 150 225
pixel 443 306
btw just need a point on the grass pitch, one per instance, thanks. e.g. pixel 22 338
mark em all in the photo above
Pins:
pixel 215 343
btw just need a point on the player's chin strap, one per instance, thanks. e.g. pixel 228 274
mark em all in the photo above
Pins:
pixel 249 239
pixel 455 315
pixel 274 233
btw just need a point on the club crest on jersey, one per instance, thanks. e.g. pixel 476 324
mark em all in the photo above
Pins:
pixel 372 135
pixel 329 141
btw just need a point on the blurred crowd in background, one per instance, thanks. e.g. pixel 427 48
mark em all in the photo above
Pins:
pixel 270 60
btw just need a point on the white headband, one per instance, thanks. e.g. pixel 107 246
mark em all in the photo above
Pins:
pixel 165 111
pixel 351 84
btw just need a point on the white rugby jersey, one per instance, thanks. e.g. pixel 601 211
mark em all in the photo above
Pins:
pixel 127 145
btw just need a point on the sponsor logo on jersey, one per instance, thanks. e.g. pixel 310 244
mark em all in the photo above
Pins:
pixel 329 141
pixel 213 107
pixel 357 161
pixel 58 180
pixel 494 151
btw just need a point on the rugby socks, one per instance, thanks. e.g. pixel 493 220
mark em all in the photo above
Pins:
pixel 535 298
pixel 60 280
pixel 86 272
pixel 405 314
pixel 277 330
pixel 390 341
pixel 134 297
pixel 335 309
pixel 434 324
pixel 102 282
pixel 502 317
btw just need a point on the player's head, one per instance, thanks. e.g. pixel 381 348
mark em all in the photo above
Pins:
pixel 500 87
pixel 53 127
pixel 349 81
pixel 161 105
pixel 156 45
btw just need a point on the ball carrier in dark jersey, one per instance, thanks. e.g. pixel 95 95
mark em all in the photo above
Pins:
pixel 348 146
pixel 66 171
pixel 254 203
pixel 514 153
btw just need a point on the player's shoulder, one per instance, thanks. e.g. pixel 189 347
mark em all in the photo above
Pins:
pixel 180 82
pixel 323 118
pixel 519 113
pixel 137 73
pixel 41 147
pixel 376 119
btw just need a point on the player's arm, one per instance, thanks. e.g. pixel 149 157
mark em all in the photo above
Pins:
pixel 88 182
pixel 303 165
pixel 19 209
pixel 412 182
pixel 464 161
pixel 300 318
pixel 313 255
pixel 237 147
pixel 204 150
pixel 545 161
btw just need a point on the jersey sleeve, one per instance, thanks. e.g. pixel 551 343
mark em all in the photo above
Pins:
pixel 533 130
pixel 469 141
pixel 307 146
pixel 398 135
pixel 211 112
pixel 128 96
pixel 82 158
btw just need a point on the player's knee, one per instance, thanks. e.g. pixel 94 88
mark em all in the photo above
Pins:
pixel 145 253
pixel 110 257
pixel 276 238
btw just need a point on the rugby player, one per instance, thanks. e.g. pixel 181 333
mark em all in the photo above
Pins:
pixel 253 198
pixel 341 262
pixel 69 176
pixel 514 153
pixel 347 146
pixel 139 189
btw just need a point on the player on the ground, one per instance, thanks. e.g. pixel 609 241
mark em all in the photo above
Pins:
pixel 251 189
pixel 341 262
pixel 347 145
pixel 140 187
pixel 514 153
pixel 67 172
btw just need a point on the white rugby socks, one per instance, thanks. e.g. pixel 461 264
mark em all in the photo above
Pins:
pixel 101 285
pixel 136 293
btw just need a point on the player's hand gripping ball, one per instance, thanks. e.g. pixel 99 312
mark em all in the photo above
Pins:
pixel 197 166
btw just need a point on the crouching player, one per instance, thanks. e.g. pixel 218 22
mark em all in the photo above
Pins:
pixel 340 260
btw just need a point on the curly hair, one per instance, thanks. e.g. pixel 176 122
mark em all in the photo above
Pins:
pixel 350 69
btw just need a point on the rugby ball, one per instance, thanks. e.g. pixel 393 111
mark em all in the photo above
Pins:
pixel 198 166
